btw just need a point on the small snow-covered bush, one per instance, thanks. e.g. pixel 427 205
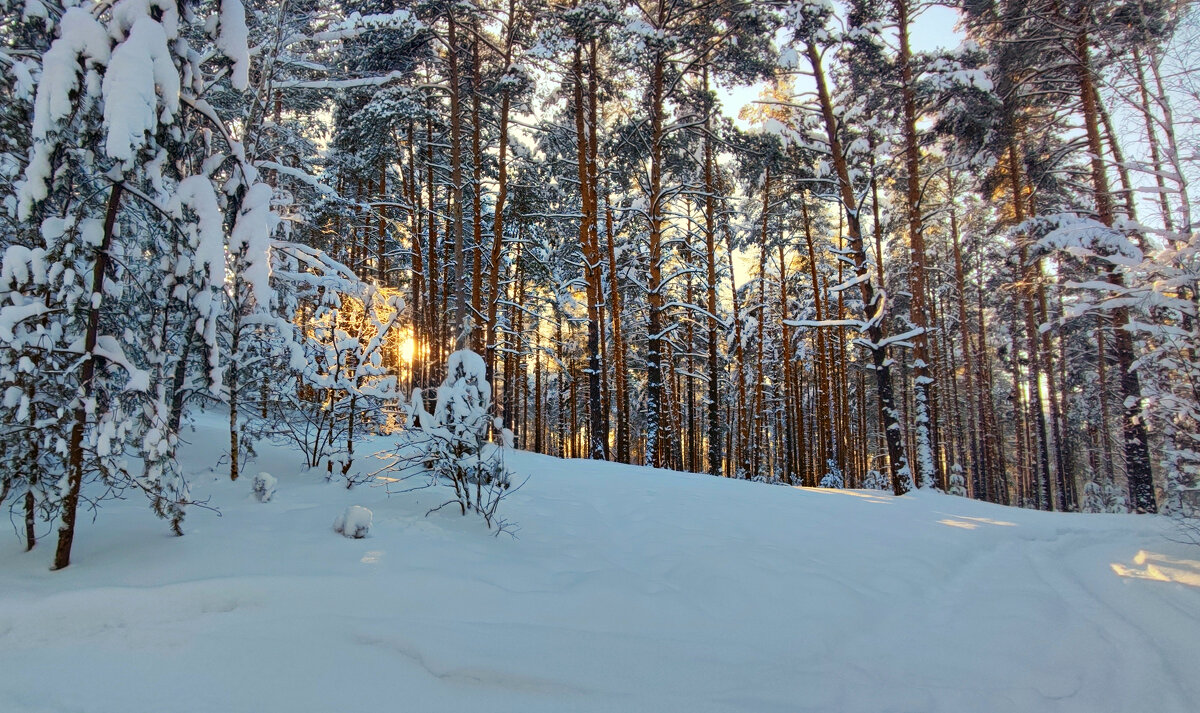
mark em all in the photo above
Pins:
pixel 355 521
pixel 874 480
pixel 451 445
pixel 833 477
pixel 958 483
pixel 264 486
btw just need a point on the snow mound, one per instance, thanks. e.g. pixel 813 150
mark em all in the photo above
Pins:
pixel 354 522
pixel 264 486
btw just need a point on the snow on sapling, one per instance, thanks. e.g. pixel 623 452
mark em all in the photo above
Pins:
pixel 328 384
pixel 451 446
pixel 874 480
pixel 1094 499
pixel 958 484
pixel 833 477
pixel 264 486
pixel 106 116
pixel 354 522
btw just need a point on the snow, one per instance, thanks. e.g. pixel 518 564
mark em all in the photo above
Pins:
pixel 140 74
pixel 626 589
pixel 110 348
pixel 1084 238
pixel 233 42
pixel 264 486
pixel 355 521
pixel 80 37
pixel 251 236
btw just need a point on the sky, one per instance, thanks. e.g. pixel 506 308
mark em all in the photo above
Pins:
pixel 933 28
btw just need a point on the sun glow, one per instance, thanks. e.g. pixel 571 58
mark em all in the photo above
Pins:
pixel 407 349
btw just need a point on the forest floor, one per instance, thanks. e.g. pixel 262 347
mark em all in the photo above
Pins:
pixel 624 589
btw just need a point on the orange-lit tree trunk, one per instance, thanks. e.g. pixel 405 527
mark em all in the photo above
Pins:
pixel 756 418
pixel 478 336
pixel 823 416
pixel 456 280
pixel 501 196
pixel 715 435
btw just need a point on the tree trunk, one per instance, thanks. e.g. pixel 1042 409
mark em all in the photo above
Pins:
pixel 654 380
pixel 477 337
pixel 597 437
pixel 757 446
pixel 714 367
pixel 619 355
pixel 459 323
pixel 824 414
pixel 901 478
pixel 1137 453
pixel 926 447
pixel 75 455
pixel 501 197
pixel 974 397
pixel 1028 288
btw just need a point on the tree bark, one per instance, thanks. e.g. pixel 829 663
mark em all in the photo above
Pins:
pixel 715 435
pixel 1137 453
pixel 75 459
pixel 901 479
pixel 923 377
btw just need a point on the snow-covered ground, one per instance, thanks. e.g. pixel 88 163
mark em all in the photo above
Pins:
pixel 626 589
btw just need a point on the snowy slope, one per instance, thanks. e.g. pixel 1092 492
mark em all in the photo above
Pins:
pixel 625 590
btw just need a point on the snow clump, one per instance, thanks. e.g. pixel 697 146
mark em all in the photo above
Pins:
pixel 354 522
pixel 264 486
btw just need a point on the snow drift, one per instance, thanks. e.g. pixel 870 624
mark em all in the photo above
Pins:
pixel 626 589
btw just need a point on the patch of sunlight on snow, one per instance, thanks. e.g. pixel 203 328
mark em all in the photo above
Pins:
pixel 984 520
pixel 958 523
pixel 1160 568
pixel 373 557
pixel 856 493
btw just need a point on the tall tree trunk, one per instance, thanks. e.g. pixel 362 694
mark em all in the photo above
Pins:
pixel 501 197
pixel 824 414
pixel 619 355
pixel 786 349
pixel 1137 453
pixel 738 463
pixel 714 367
pixel 757 434
pixel 434 282
pixel 1028 289
pixel 901 478
pixel 459 323
pixel 87 374
pixel 419 321
pixel 655 438
pixel 597 438
pixel 926 447
pixel 478 337
pixel 974 397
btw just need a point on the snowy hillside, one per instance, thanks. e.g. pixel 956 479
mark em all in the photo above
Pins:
pixel 625 590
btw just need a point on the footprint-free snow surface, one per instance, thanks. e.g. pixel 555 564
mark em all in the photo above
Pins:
pixel 626 589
